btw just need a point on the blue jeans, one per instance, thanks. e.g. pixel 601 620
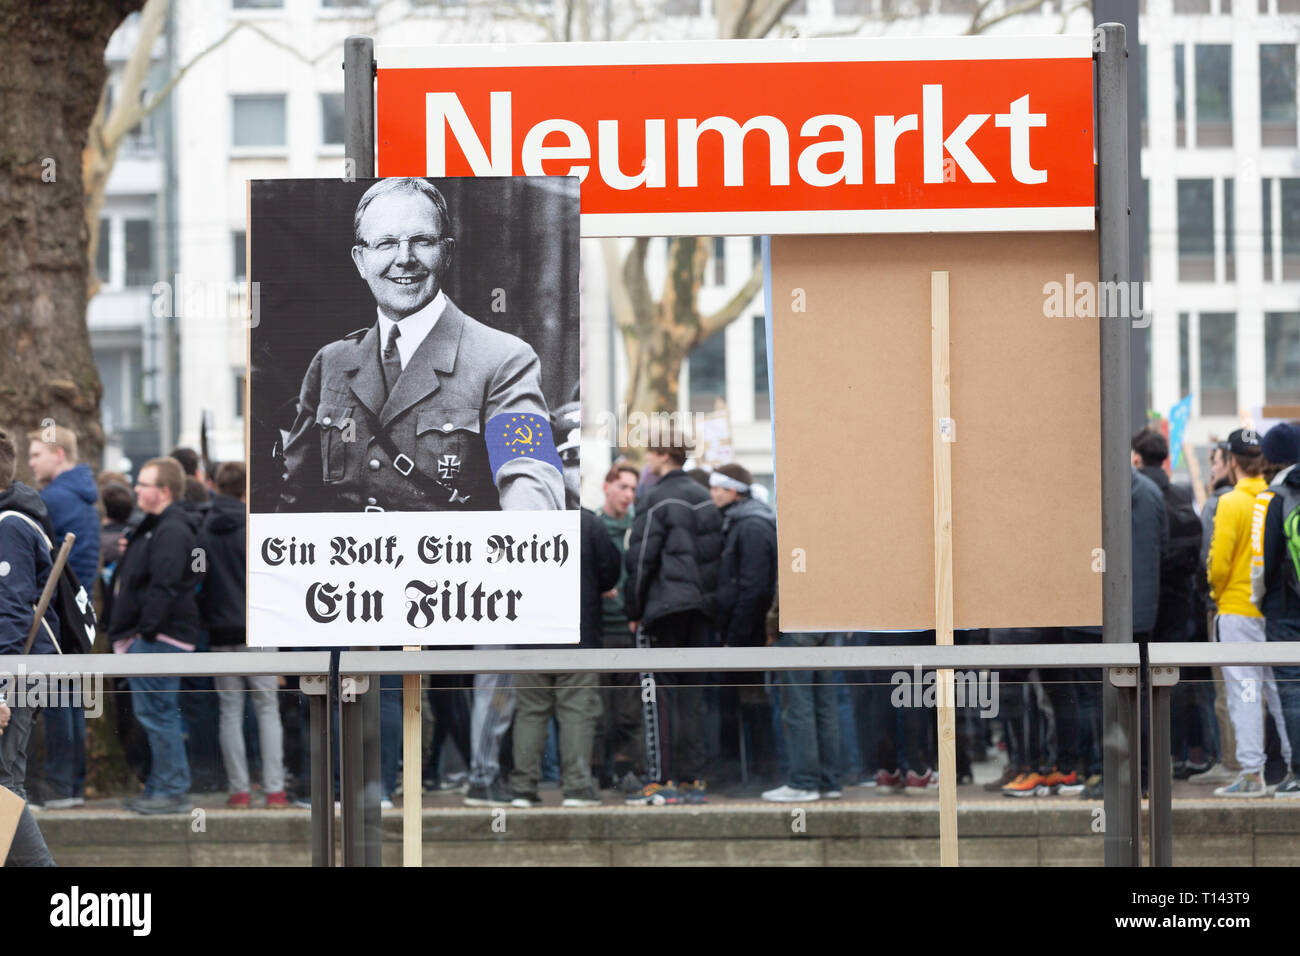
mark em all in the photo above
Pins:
pixel 1288 684
pixel 156 701
pixel 65 751
pixel 810 707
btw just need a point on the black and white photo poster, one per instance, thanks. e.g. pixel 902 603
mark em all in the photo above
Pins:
pixel 413 399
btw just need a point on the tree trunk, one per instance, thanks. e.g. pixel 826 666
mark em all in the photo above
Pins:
pixel 51 76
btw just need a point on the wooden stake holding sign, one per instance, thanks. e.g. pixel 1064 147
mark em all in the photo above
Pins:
pixel 943 436
pixel 412 801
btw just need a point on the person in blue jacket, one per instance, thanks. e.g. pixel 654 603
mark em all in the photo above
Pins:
pixel 70 492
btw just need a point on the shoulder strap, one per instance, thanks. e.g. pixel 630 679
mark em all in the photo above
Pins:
pixel 31 521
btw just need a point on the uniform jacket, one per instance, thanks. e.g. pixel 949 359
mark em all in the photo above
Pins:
pixel 462 376
pixel 747 576
pixel 29 563
pixel 674 550
pixel 71 498
pixel 155 587
pixel 1230 549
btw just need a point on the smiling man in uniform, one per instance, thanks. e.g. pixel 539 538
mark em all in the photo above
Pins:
pixel 426 409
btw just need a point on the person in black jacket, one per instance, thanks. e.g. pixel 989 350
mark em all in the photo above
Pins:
pixel 1178 564
pixel 746 587
pixel 221 604
pixel 572 698
pixel 155 611
pixel 25 566
pixel 672 574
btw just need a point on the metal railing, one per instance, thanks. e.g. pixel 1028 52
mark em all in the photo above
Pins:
pixel 340 678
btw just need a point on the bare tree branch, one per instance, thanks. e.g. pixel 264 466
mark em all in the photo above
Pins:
pixel 1028 7
pixel 719 320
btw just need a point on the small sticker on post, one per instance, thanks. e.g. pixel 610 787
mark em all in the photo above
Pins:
pixel 948 429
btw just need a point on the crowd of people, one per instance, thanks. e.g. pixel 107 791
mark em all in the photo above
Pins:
pixel 675 557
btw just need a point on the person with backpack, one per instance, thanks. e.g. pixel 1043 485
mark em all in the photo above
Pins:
pixel 25 566
pixel 1178 563
pixel 1239 621
pixel 1275 573
pixel 69 492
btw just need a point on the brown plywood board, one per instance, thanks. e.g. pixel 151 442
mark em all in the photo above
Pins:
pixel 11 809
pixel 854 469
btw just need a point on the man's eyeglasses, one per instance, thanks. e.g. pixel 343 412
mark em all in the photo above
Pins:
pixel 146 484
pixel 390 244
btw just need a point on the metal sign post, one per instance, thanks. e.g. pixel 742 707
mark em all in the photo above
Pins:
pixel 1120 749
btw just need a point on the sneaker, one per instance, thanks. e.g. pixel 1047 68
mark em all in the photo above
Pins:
pixel 1188 768
pixel 1289 788
pixel 65 803
pixel 455 783
pixel 788 794
pixel 302 803
pixel 1063 782
pixel 656 795
pixel 1026 785
pixel 697 792
pixel 490 795
pixel 629 785
pixel 583 798
pixel 835 793
pixel 889 782
pixel 386 804
pixel 1246 785
pixel 1093 789
pixel 239 801
pixel 277 801
pixel 526 801
pixel 918 781
pixel 156 805
pixel 1216 774
pixel 993 786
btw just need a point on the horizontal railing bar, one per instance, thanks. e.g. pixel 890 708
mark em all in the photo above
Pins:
pixel 506 660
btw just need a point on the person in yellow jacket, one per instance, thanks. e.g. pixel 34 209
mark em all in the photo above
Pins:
pixel 1239 621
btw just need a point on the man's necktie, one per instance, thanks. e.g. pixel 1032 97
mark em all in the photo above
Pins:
pixel 392 361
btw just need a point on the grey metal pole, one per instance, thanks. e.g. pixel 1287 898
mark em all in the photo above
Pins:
pixel 351 764
pixel 1160 771
pixel 1120 710
pixel 359 142
pixel 322 780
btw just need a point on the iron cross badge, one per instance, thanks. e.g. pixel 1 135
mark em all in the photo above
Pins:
pixel 449 466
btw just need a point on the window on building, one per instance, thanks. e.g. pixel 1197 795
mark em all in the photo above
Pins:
pixel 1229 231
pixel 1196 230
pixel 1180 95
pixel 257 120
pixel 1290 212
pixel 756 250
pixel 797 9
pixel 855 8
pixel 1282 358
pixel 256 4
pixel 139 252
pixel 102 258
pixel 1214 94
pixel 336 4
pixel 1191 7
pixel 682 8
pixel 239 248
pixel 1266 208
pixel 239 394
pixel 708 373
pixel 1184 354
pixel 331 119
pixel 963 7
pixel 718 263
pixel 1218 340
pixel 1146 237
pixel 1277 98
pixel 762 393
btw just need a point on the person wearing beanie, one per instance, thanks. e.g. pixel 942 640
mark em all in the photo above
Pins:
pixel 1239 620
pixel 1275 587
